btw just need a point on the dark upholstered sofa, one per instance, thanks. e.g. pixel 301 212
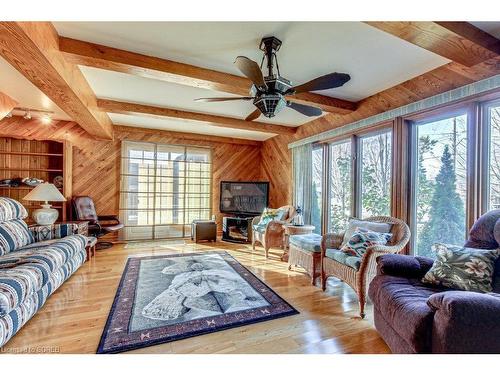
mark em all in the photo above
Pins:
pixel 413 317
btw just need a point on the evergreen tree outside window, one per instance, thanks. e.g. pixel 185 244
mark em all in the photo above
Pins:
pixel 441 183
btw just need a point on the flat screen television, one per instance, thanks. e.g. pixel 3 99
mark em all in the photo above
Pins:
pixel 243 198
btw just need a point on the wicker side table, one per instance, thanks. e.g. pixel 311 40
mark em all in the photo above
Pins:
pixel 291 230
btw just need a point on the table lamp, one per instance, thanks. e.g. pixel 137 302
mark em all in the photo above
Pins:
pixel 45 193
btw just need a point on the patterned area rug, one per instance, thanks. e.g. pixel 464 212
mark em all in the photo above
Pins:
pixel 171 297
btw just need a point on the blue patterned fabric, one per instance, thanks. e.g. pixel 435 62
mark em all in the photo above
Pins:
pixel 14 234
pixel 309 242
pixel 31 271
pixel 27 271
pixel 11 209
pixel 54 231
pixel 16 318
pixel 344 258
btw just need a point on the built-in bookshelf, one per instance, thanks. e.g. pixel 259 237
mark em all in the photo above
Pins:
pixel 45 160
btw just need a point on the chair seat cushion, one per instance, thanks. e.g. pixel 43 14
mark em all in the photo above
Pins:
pixel 403 303
pixel 259 228
pixel 344 258
pixel 308 242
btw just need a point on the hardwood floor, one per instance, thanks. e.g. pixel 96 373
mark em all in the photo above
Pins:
pixel 72 319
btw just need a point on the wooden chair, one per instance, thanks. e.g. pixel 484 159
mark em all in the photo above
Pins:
pixel 359 279
pixel 273 234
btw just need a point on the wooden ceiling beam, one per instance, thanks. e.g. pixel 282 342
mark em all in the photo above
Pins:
pixel 459 42
pixel 7 104
pixel 117 60
pixel 32 48
pixel 112 106
pixel 186 136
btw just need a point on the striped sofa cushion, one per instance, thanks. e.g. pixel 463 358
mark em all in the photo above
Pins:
pixel 13 321
pixel 14 234
pixel 11 209
pixel 27 271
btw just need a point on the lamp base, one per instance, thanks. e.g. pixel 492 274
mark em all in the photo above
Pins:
pixel 45 215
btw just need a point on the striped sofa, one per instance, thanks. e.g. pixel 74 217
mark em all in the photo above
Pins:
pixel 31 269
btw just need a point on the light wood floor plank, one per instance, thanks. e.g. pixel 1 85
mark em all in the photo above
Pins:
pixel 74 316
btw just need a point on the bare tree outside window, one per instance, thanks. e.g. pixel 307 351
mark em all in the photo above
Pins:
pixel 376 162
pixel 340 185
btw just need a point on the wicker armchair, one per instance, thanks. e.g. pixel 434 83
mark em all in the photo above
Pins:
pixel 359 279
pixel 273 234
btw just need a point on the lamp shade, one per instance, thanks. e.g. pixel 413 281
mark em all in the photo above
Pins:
pixel 45 193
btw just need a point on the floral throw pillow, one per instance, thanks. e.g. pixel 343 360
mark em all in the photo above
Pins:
pixel 462 268
pixel 361 239
pixel 270 214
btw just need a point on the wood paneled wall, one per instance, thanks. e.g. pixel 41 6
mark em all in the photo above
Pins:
pixel 277 166
pixel 96 164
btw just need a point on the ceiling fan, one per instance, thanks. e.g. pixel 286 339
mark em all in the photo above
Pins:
pixel 269 93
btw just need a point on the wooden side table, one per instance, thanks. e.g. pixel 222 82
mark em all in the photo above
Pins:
pixel 290 230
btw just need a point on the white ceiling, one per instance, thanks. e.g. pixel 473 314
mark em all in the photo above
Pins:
pixel 15 85
pixel 374 59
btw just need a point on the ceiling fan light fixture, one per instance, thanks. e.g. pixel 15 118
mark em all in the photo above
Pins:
pixel 270 104
pixel 27 115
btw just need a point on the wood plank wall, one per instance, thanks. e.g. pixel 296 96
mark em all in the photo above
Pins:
pixel 96 164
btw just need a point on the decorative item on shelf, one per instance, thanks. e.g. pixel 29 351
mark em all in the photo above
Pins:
pixel 298 220
pixel 58 181
pixel 226 198
pixel 32 181
pixel 11 182
pixel 45 193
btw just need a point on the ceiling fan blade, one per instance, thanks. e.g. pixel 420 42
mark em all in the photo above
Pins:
pixel 306 110
pixel 254 115
pixel 251 70
pixel 328 81
pixel 223 99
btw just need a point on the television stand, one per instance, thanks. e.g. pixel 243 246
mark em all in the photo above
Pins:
pixel 237 229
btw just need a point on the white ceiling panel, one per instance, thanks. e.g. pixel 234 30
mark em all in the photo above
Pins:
pixel 128 88
pixel 15 85
pixel 186 126
pixel 374 59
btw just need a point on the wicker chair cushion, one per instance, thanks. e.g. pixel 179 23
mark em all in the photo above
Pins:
pixel 364 224
pixel 309 242
pixel 259 228
pixel 341 257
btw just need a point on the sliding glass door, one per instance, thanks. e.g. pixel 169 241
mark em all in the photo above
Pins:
pixel 375 174
pixel 340 185
pixel 163 188
pixel 440 188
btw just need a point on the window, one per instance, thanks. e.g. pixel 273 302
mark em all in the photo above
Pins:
pixel 440 189
pixel 163 188
pixel 340 185
pixel 317 188
pixel 493 131
pixel 375 174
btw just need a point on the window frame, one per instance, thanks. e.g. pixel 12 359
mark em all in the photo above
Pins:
pixel 434 115
pixel 485 143
pixel 185 208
